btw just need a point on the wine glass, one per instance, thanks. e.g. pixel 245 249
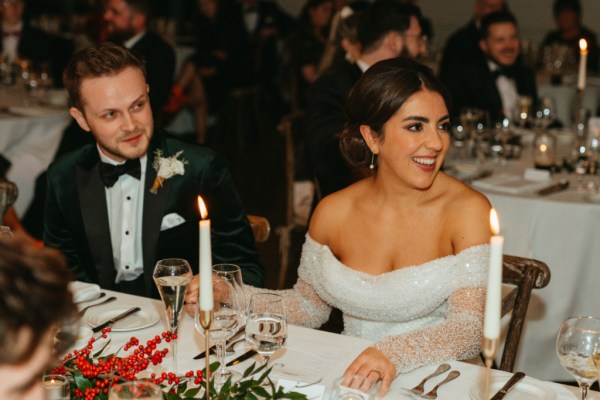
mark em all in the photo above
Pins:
pixel 577 343
pixel 266 329
pixel 522 111
pixel 172 277
pixel 135 390
pixel 545 112
pixel 229 315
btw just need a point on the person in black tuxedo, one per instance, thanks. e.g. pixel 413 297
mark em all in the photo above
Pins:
pixel 127 24
pixel 463 45
pixel 21 41
pixel 386 30
pixel 494 84
pixel 105 209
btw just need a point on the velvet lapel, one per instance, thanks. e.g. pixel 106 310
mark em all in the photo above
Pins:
pixel 95 218
pixel 154 206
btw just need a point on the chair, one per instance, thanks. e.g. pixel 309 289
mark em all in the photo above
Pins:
pixel 525 274
pixel 260 227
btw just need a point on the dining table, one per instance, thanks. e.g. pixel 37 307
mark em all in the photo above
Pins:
pixel 561 229
pixel 31 128
pixel 309 361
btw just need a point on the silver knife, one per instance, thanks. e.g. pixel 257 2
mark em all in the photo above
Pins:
pixel 508 385
pixel 212 349
pixel 241 358
pixel 555 187
pixel 115 319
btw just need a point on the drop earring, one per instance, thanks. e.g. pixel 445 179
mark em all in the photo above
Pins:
pixel 372 166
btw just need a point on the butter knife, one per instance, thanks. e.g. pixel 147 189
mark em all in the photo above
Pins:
pixel 241 358
pixel 508 386
pixel 115 319
pixel 556 187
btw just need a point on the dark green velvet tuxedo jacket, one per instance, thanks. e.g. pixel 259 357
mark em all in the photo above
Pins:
pixel 76 217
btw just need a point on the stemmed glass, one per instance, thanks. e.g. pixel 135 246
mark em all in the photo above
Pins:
pixel 266 329
pixel 522 111
pixel 172 277
pixel 545 112
pixel 229 315
pixel 577 344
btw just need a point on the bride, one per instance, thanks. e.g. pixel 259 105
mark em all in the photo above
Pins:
pixel 403 251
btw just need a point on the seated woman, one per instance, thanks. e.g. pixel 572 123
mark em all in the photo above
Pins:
pixel 402 252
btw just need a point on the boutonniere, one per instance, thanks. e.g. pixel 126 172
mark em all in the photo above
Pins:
pixel 166 167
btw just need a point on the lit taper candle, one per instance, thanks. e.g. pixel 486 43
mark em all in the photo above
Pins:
pixel 205 257
pixel 583 54
pixel 491 325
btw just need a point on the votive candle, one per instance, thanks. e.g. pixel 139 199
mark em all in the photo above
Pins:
pixel 56 387
pixel 491 325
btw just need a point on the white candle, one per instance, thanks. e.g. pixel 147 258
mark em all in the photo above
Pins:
pixel 491 324
pixel 205 257
pixel 583 52
pixel 56 387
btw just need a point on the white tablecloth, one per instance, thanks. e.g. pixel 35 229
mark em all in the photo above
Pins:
pixel 565 97
pixel 309 355
pixel 562 230
pixel 29 137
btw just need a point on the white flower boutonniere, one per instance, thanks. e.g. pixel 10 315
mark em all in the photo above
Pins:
pixel 166 167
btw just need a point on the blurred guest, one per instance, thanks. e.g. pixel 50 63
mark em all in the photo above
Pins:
pixel 567 16
pixel 386 30
pixel 29 47
pixel 463 45
pixel 35 300
pixel 127 24
pixel 494 84
pixel 306 45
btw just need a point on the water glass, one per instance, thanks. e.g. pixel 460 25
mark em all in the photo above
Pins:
pixel 339 391
pixel 135 390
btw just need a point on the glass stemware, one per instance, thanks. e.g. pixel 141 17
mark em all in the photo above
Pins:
pixel 266 329
pixel 577 344
pixel 522 111
pixel 135 390
pixel 172 277
pixel 229 315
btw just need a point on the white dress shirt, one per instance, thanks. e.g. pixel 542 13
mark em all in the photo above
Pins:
pixel 507 87
pixel 125 202
pixel 10 43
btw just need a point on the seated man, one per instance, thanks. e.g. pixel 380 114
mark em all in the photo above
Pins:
pixel 113 222
pixel 35 299
pixel 495 84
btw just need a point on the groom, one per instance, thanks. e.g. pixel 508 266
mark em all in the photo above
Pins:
pixel 105 208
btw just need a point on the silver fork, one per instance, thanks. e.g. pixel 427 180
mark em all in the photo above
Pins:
pixel 83 310
pixel 433 393
pixel 420 388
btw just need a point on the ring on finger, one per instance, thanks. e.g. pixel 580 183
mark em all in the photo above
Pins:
pixel 377 371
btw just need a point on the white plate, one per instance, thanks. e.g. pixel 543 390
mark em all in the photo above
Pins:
pixel 527 389
pixel 142 319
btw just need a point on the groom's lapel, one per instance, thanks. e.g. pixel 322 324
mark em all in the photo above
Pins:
pixel 94 212
pixel 154 208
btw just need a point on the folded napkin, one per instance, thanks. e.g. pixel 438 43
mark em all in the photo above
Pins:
pixel 83 291
pixel 508 183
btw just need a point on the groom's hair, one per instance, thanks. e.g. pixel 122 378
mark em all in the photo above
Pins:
pixel 105 59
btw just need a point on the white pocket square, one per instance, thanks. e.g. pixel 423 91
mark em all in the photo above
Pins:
pixel 170 221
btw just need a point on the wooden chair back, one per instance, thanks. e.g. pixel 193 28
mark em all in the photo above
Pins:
pixel 525 274
pixel 260 227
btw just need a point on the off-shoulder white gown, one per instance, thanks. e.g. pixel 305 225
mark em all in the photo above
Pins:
pixel 418 314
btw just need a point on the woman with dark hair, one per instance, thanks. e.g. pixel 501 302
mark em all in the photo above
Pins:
pixel 403 252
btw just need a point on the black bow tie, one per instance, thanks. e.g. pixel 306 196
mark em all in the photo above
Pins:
pixel 507 72
pixel 110 173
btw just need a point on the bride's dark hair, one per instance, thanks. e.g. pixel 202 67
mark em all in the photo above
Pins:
pixel 376 97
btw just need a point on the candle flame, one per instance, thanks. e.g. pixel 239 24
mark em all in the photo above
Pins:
pixel 543 148
pixel 583 46
pixel 494 224
pixel 52 381
pixel 202 207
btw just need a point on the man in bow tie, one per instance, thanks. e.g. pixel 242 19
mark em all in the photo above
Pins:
pixel 494 84
pixel 100 210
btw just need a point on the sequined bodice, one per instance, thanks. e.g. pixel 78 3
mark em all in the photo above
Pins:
pixel 403 300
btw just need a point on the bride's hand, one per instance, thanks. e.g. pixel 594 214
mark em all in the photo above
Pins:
pixel 191 295
pixel 368 368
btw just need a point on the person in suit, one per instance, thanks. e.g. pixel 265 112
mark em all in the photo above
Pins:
pixel 494 84
pixel 463 45
pixel 127 24
pixel 35 301
pixel 387 30
pixel 30 47
pixel 113 228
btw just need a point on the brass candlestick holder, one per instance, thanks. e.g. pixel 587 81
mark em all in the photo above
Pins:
pixel 489 348
pixel 207 317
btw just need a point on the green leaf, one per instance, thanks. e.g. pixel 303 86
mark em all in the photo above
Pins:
pixel 192 392
pixel 81 381
pixel 261 391
pixel 97 354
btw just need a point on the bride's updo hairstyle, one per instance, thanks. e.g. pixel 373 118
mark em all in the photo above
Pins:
pixel 376 97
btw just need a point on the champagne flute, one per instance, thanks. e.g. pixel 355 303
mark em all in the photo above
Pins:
pixel 576 344
pixel 229 315
pixel 172 277
pixel 266 329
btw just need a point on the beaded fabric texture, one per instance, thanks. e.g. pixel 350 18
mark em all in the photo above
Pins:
pixel 418 314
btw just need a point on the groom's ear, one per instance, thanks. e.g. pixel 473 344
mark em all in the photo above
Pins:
pixel 80 118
